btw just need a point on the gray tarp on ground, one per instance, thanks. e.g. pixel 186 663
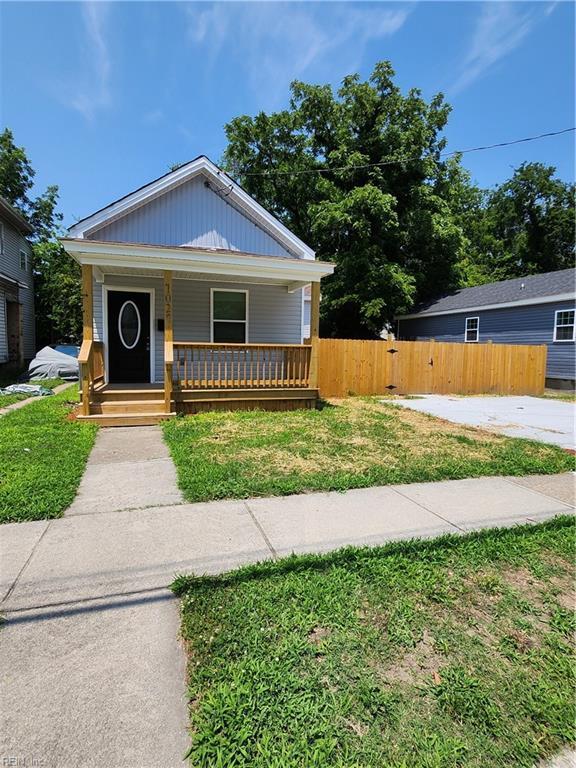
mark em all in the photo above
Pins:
pixel 51 364
pixel 32 390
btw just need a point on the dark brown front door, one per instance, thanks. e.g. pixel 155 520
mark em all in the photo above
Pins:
pixel 128 337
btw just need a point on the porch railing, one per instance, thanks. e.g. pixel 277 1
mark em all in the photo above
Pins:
pixel 241 366
pixel 91 361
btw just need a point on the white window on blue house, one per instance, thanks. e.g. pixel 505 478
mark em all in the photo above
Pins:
pixel 564 325
pixel 229 317
pixel 23 260
pixel 472 331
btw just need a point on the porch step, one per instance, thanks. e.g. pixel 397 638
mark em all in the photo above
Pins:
pixel 132 407
pixel 110 393
pixel 126 419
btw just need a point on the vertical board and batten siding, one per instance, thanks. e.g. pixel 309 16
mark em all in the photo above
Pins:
pixel 194 215
pixel 13 243
pixel 531 324
pixel 418 367
pixel 274 315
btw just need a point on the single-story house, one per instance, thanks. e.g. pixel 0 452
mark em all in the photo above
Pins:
pixel 538 309
pixel 17 332
pixel 193 298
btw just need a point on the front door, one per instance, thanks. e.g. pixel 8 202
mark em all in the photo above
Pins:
pixel 128 337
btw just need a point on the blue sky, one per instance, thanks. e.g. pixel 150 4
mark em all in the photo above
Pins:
pixel 106 96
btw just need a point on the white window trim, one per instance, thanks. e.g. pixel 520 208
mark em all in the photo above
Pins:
pixel 152 292
pixel 556 326
pixel 229 290
pixel 477 329
pixel 23 253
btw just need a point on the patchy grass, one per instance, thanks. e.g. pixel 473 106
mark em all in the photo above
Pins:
pixel 9 399
pixel 42 458
pixel 351 443
pixel 559 394
pixel 439 654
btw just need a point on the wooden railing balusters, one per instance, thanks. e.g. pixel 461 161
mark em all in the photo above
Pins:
pixel 240 366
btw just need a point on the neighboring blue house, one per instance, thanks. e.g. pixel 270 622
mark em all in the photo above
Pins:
pixel 538 309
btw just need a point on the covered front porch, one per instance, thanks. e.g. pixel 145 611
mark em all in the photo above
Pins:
pixel 216 330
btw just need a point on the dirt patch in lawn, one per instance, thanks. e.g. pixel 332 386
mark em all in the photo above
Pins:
pixel 421 663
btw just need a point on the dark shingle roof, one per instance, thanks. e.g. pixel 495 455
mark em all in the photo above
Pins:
pixel 504 292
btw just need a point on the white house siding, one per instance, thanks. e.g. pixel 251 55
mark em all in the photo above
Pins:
pixel 274 315
pixel 191 214
pixel 12 243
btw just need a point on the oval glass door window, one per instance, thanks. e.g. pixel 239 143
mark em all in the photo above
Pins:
pixel 129 324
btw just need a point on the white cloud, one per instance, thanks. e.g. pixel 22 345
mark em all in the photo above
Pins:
pixel 501 28
pixel 278 42
pixel 93 93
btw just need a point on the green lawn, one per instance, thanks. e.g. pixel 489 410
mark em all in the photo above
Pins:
pixel 352 443
pixel 453 652
pixel 9 399
pixel 42 458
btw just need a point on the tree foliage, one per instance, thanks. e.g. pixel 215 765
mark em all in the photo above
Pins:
pixel 358 174
pixel 522 227
pixel 387 227
pixel 56 276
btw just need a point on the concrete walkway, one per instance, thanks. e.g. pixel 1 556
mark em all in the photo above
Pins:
pixel 128 468
pixel 536 418
pixel 92 671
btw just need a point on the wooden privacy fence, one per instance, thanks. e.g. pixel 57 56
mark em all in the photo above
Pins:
pixel 349 366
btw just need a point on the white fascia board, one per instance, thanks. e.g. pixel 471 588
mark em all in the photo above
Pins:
pixel 503 305
pixel 179 176
pixel 209 262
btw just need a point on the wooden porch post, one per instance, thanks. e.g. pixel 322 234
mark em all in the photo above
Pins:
pixel 87 335
pixel 168 341
pixel 314 333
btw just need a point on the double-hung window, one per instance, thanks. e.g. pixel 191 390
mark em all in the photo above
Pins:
pixel 564 325
pixel 23 260
pixel 472 330
pixel 229 316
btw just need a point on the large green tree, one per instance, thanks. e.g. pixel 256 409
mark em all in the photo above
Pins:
pixel 522 227
pixel 358 174
pixel 56 276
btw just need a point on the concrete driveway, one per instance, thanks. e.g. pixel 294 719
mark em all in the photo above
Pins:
pixel 545 420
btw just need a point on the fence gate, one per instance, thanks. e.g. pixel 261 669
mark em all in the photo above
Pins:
pixel 351 366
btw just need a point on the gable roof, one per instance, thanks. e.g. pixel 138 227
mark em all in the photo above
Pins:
pixel 225 185
pixel 533 289
pixel 14 217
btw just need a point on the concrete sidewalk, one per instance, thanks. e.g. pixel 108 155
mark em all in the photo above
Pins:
pixel 93 673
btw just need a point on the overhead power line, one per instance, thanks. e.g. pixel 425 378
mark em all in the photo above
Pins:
pixel 400 160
